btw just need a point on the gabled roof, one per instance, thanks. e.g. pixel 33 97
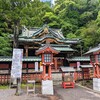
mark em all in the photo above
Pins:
pixel 34 35
pixel 36 31
pixel 93 50
pixel 83 58
pixel 46 48
pixel 61 47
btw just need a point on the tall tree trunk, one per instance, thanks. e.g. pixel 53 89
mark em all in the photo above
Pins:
pixel 16 33
pixel 15 45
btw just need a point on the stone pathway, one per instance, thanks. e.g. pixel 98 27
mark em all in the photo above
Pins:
pixel 9 94
pixel 78 93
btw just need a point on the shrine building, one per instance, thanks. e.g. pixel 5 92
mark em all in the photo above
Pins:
pixel 60 52
pixel 32 39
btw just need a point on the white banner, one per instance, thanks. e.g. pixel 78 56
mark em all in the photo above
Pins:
pixel 78 65
pixel 36 66
pixel 16 69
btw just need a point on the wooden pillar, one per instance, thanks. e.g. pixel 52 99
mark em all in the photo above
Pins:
pixel 93 70
pixel 26 51
pixel 97 70
pixel 27 67
pixel 83 76
pixel 49 72
pixel 9 71
pixel 44 72
pixel 9 68
pixel 55 63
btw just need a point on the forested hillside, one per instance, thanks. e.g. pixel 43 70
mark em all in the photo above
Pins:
pixel 76 19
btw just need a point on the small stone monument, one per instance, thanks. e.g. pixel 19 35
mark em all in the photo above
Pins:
pixel 47 87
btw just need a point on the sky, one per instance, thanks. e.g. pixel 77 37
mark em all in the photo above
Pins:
pixel 52 1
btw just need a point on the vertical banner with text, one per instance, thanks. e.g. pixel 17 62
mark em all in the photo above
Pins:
pixel 16 70
pixel 36 66
pixel 78 65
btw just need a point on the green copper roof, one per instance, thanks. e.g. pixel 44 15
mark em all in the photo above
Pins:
pixel 83 58
pixel 36 58
pixel 86 66
pixel 9 59
pixel 93 50
pixel 63 49
pixel 36 31
pixel 67 69
pixel 39 40
pixel 34 35
pixel 60 47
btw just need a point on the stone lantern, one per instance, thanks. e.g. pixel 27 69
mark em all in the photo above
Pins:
pixel 47 53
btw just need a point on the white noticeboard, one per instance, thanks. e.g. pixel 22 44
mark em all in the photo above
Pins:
pixel 16 70
pixel 36 66
pixel 47 87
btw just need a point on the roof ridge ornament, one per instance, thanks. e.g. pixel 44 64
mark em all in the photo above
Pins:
pixel 45 25
pixel 46 30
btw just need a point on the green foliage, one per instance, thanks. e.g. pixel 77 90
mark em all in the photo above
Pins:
pixel 51 19
pixel 80 19
pixel 5 46
pixel 71 35
pixel 14 14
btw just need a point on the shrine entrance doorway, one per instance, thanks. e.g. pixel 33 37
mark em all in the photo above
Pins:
pixel 65 62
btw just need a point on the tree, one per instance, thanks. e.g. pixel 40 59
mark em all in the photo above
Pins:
pixel 51 19
pixel 80 19
pixel 5 44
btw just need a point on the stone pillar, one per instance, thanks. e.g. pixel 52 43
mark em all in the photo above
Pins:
pixel 96 79
pixel 96 84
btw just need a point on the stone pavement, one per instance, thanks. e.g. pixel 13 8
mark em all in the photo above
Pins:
pixel 78 93
pixel 9 94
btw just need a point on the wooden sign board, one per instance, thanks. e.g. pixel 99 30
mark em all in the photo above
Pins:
pixel 47 87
